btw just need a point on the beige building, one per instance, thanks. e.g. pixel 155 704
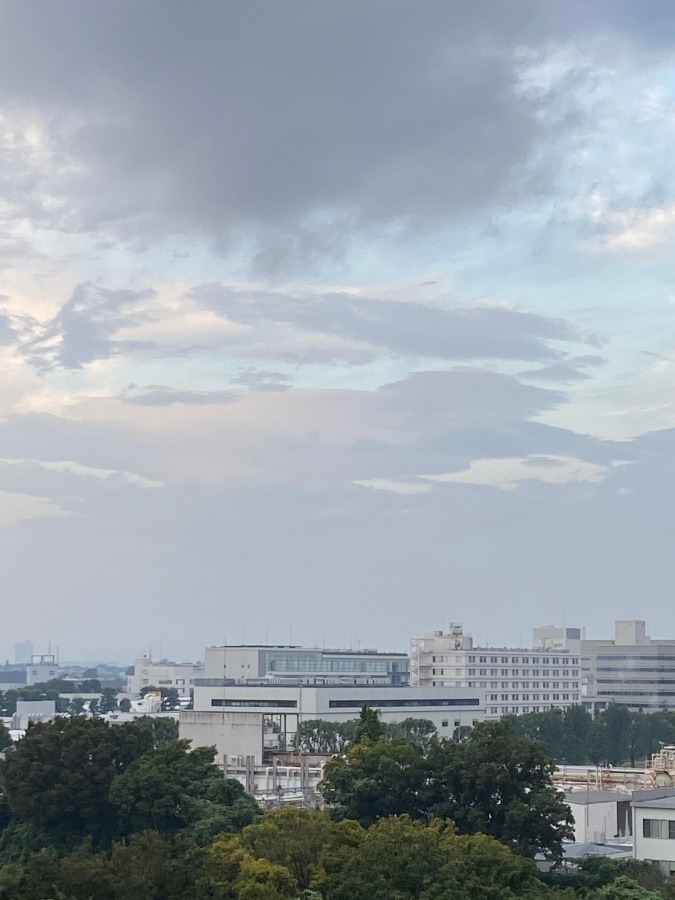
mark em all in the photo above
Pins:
pixel 163 674
pixel 515 680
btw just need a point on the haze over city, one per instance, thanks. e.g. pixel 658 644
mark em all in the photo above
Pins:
pixel 331 323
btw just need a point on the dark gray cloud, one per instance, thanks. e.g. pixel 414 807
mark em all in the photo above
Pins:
pixel 400 327
pixel 83 330
pixel 298 124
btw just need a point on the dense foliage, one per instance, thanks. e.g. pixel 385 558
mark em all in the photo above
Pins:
pixel 616 736
pixel 497 783
pixel 90 810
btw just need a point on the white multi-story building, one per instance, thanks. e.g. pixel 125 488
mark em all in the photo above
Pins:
pixel 632 669
pixel 162 674
pixel 515 680
pixel 236 717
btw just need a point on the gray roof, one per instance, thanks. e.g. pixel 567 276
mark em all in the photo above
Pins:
pixel 584 797
pixel 588 848
pixel 661 803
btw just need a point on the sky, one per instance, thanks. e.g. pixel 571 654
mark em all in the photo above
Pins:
pixel 334 323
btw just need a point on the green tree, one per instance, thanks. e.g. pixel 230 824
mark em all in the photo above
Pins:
pixel 76 706
pixel 369 726
pixel 59 776
pixel 624 889
pixel 169 789
pixel 108 700
pixel 499 783
pixel 90 686
pixel 5 737
pixel 419 731
pixel 296 839
pixel 125 705
pixel 407 860
pixel 162 729
pixel 378 779
pixel 170 698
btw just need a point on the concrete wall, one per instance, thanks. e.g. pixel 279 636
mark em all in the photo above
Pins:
pixel 596 822
pixel 232 733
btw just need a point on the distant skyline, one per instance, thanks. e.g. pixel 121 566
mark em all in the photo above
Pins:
pixel 341 319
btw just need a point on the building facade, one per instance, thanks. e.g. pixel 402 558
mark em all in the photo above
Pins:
pixel 515 680
pixel 654 828
pixel 41 668
pixel 286 661
pixel 248 718
pixel 163 674
pixel 632 669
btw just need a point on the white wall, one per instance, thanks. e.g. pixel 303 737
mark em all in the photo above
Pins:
pixel 232 733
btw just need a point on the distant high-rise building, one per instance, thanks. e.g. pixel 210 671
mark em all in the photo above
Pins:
pixel 23 652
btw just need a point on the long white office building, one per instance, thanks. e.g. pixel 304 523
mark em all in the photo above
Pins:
pixel 247 718
pixel 515 680
pixel 284 661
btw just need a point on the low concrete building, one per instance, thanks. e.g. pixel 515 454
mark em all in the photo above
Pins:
pixel 28 711
pixel 600 816
pixel 245 719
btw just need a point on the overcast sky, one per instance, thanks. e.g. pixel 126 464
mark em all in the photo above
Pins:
pixel 334 321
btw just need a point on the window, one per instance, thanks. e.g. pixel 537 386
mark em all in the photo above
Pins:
pixel 482 659
pixel 658 828
pixel 515 671
pixel 514 659
pixel 444 723
pixel 456 723
pixel 482 671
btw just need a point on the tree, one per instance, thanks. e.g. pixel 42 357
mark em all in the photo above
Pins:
pixel 377 779
pixel 322 736
pixel 369 726
pixel 108 700
pixel 296 839
pixel 125 705
pixel 93 706
pixel 76 707
pixel 419 731
pixel 496 782
pixel 170 698
pixel 407 860
pixel 5 737
pixel 499 783
pixel 162 730
pixel 625 889
pixel 169 789
pixel 59 776
pixel 90 686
